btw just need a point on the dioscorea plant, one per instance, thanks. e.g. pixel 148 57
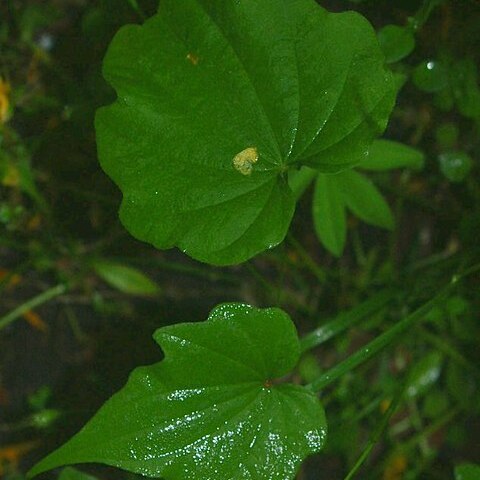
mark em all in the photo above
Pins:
pixel 219 101
pixel 219 104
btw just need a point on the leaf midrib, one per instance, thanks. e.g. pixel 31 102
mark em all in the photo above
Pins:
pixel 249 78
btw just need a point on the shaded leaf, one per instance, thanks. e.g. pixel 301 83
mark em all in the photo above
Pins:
pixel 467 471
pixel 424 374
pixel 430 76
pixel 125 279
pixel 396 42
pixel 212 408
pixel 329 215
pixel 387 154
pixel 465 87
pixel 206 80
pixel 455 165
pixel 362 197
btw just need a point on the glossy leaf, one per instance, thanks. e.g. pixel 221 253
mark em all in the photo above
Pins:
pixel 124 278
pixel 396 42
pixel 329 215
pixel 362 197
pixel 387 154
pixel 467 471
pixel 216 100
pixel 212 408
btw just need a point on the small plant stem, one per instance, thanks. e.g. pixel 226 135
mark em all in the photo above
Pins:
pixel 31 304
pixel 379 343
pixel 377 433
pixel 78 333
pixel 424 13
pixel 307 260
pixel 345 320
pixel 134 4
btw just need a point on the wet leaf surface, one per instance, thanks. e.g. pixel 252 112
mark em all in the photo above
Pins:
pixel 212 408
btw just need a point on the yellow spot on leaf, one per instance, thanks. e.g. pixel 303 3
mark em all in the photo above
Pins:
pixel 244 161
pixel 192 58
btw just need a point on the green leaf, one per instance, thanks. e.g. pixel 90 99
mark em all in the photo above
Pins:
pixel 70 473
pixel 45 418
pixel 396 42
pixel 217 100
pixel 125 279
pixel 424 374
pixel 465 87
pixel 467 471
pixel 387 154
pixel 430 76
pixel 212 408
pixel 329 215
pixel 455 165
pixel 362 197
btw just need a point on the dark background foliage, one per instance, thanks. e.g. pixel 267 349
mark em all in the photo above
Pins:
pixel 60 360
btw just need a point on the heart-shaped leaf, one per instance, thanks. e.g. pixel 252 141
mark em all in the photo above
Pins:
pixel 212 408
pixel 217 100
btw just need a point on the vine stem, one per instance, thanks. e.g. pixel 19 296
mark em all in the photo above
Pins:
pixel 134 4
pixel 31 304
pixel 377 433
